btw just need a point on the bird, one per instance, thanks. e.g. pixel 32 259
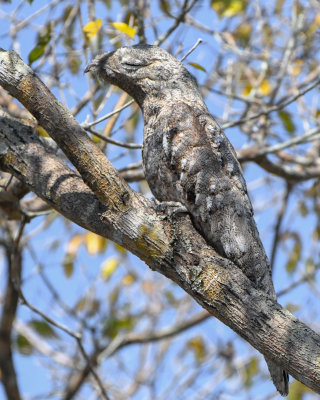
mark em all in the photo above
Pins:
pixel 189 161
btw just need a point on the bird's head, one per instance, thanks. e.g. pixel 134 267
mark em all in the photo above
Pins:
pixel 141 71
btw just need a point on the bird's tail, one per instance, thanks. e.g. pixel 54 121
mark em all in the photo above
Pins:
pixel 279 377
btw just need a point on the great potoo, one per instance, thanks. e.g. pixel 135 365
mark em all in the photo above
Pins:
pixel 188 159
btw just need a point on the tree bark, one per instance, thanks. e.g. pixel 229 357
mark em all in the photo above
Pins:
pixel 99 200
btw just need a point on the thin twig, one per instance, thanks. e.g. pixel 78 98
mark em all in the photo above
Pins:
pixel 199 41
pixel 76 336
pixel 283 170
pixel 115 142
pixel 185 9
pixel 309 136
pixel 276 107
pixel 288 52
pixel 128 167
pixel 165 333
pixel 232 96
pixel 86 126
pixel 304 278
pixel 281 213
pixel 253 152
pixel 93 372
pixel 48 319
pixel 121 341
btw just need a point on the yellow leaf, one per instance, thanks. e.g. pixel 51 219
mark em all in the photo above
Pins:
pixel 265 88
pixel 228 8
pixel 128 279
pixel 95 243
pixel 243 32
pixel 197 346
pixel 68 264
pixel 92 28
pixel 108 267
pixel 42 132
pixel 198 66
pixel 81 304
pixel 235 7
pixel 74 244
pixel 292 307
pixel 124 28
pixel 247 90
pixel 147 287
pixel 296 67
pixel 120 249
pixel 298 390
pixel 279 5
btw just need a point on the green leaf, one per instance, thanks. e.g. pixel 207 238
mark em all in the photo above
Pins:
pixel 165 6
pixel 250 370
pixel 197 66
pixel 310 269
pixel 242 33
pixel 294 257
pixel 316 233
pixel 303 209
pixel 287 121
pixel 23 345
pixel 42 42
pixel 113 326
pixel 74 64
pixel 43 328
pixel 171 298
pixel 292 307
pixel 35 54
pixel 68 265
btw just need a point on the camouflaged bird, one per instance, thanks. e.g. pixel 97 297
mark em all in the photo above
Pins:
pixel 188 159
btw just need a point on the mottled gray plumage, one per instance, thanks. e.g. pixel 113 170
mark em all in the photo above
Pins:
pixel 188 159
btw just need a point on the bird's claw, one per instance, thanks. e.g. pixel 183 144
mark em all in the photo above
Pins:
pixel 171 208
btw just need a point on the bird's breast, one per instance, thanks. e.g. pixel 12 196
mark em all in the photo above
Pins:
pixel 159 174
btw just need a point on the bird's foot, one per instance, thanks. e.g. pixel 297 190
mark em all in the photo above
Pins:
pixel 171 208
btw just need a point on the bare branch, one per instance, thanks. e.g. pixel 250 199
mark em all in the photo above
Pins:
pixel 199 41
pixel 186 7
pixel 271 109
pixel 122 341
pixel 133 146
pixel 76 336
pixel 86 125
pixel 281 212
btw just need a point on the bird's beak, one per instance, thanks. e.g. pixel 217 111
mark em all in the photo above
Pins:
pixel 88 67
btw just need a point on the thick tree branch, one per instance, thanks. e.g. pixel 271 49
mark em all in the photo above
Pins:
pixel 10 304
pixel 171 247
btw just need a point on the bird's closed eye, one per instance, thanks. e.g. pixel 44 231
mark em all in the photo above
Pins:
pixel 134 64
